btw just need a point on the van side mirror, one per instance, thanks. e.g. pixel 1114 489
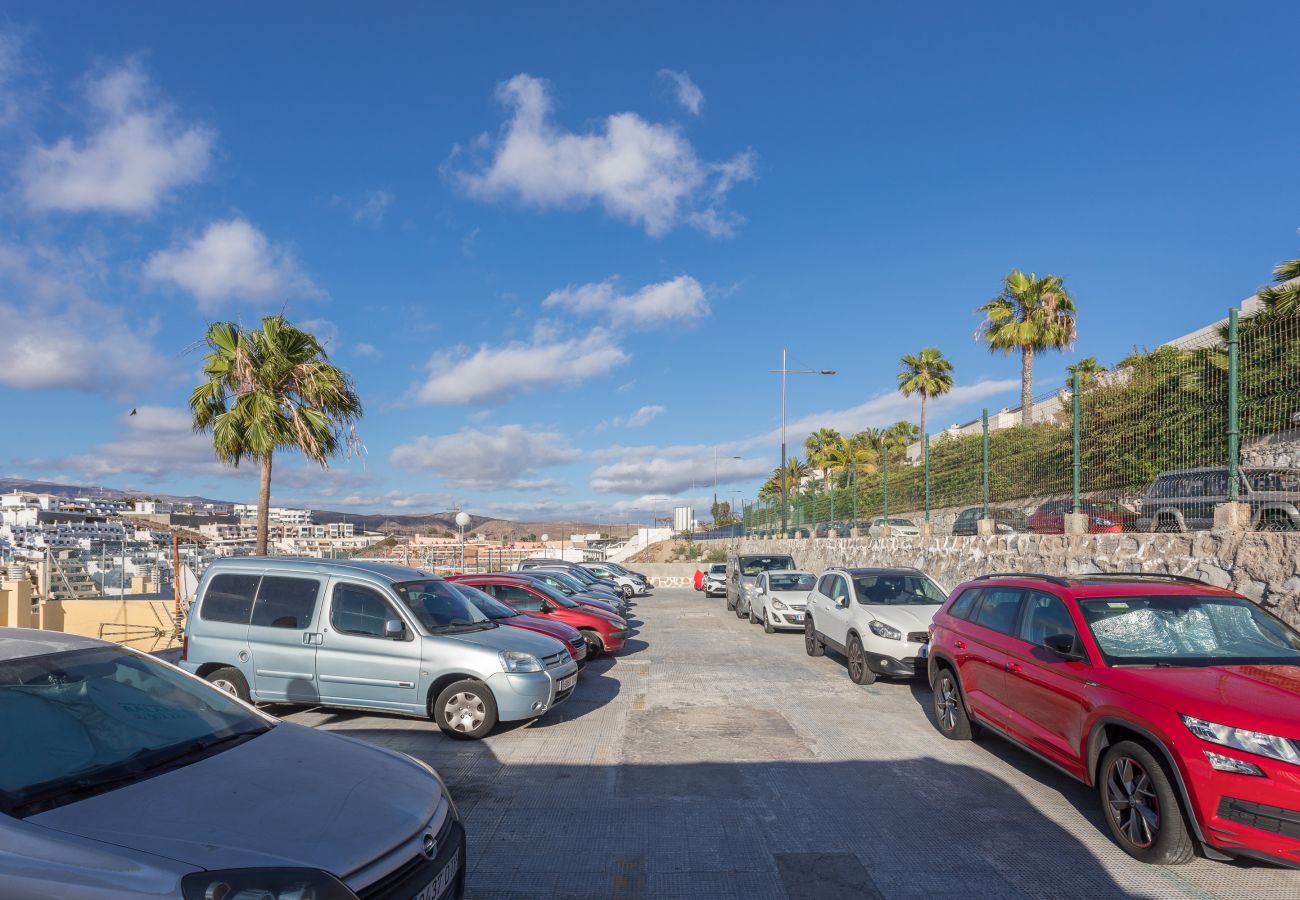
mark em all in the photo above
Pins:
pixel 1063 646
pixel 394 629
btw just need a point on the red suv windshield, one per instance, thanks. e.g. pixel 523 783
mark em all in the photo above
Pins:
pixel 1186 630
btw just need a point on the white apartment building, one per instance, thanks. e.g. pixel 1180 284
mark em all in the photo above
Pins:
pixel 276 515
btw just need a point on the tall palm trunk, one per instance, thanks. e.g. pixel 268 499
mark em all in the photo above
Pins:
pixel 264 507
pixel 925 445
pixel 1026 385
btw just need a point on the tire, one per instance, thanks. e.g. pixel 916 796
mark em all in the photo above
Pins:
pixel 753 619
pixel 812 644
pixel 950 708
pixel 767 623
pixel 1142 807
pixel 465 710
pixel 731 604
pixel 595 646
pixel 859 671
pixel 231 681
pixel 1166 524
pixel 626 591
pixel 739 613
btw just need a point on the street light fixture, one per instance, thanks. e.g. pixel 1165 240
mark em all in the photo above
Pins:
pixel 715 474
pixel 462 522
pixel 784 371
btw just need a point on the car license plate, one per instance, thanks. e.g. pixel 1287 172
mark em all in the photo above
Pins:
pixel 567 683
pixel 434 889
pixel 795 617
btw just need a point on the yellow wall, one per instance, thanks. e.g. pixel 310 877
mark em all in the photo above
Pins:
pixel 144 624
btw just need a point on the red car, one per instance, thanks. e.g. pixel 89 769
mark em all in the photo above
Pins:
pixel 604 632
pixel 1177 701
pixel 1104 517
pixel 498 612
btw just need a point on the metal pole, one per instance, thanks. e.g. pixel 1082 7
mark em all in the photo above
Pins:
pixel 925 451
pixel 784 494
pixel 715 477
pixel 986 463
pixel 886 485
pixel 1075 416
pixel 1234 427
pixel 855 494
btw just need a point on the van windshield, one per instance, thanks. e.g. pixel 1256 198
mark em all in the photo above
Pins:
pixel 440 608
pixel 82 722
pixel 752 565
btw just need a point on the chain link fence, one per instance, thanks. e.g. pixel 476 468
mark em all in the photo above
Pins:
pixel 1158 443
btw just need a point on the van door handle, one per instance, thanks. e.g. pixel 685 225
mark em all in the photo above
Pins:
pixel 313 637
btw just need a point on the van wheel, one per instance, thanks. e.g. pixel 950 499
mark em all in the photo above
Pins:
pixel 465 710
pixel 231 681
pixel 1142 807
pixel 595 646
pixel 859 671
pixel 811 642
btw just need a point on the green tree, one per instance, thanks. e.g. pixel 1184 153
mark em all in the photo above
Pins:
pixel 895 439
pixel 817 444
pixel 1282 297
pixel 721 512
pixel 268 389
pixel 1087 369
pixel 926 373
pixel 1030 315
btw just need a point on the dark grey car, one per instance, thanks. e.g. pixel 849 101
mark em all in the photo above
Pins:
pixel 1184 499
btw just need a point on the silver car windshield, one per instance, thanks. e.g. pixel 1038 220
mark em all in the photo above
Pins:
pixel 897 590
pixel 1187 630
pixel 83 722
pixel 439 608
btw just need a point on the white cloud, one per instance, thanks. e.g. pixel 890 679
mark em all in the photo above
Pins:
pixel 639 171
pixel 137 154
pixel 671 470
pixel 326 332
pixel 155 442
pixel 232 260
pixel 369 210
pixel 56 336
pixel 688 93
pixel 364 349
pixel 11 70
pixel 679 299
pixel 493 373
pixel 642 417
pixel 494 458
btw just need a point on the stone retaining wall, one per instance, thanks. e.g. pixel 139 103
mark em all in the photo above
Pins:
pixel 1262 566
pixel 663 575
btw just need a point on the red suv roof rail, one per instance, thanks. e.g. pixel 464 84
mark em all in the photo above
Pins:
pixel 1138 576
pixel 1054 579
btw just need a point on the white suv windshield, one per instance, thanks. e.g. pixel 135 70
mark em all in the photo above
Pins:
pixel 897 589
pixel 1188 631
pixel 84 721
pixel 718 569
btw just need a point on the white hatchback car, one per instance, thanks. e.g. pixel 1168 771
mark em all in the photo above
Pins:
pixel 897 527
pixel 878 618
pixel 778 598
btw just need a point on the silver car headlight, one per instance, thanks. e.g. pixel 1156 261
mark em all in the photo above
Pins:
pixel 518 661
pixel 1240 739
pixel 264 884
pixel 880 629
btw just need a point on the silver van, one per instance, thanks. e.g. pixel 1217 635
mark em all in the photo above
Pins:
pixel 368 635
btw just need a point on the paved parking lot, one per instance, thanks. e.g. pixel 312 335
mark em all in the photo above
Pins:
pixel 710 760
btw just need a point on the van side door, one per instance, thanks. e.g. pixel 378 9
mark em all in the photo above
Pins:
pixel 282 638
pixel 220 632
pixel 356 663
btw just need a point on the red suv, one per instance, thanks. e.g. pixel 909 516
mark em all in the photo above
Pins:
pixel 604 632
pixel 498 612
pixel 1179 702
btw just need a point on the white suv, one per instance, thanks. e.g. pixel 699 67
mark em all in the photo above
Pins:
pixel 715 580
pixel 777 599
pixel 878 618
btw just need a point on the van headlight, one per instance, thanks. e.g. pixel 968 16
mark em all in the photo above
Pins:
pixel 264 884
pixel 1240 739
pixel 880 629
pixel 518 661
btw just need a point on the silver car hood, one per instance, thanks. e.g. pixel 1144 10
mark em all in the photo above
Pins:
pixel 290 797
pixel 511 639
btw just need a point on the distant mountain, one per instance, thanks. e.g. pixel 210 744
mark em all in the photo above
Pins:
pixel 59 489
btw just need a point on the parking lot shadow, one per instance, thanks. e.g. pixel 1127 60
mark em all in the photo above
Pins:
pixel 756 829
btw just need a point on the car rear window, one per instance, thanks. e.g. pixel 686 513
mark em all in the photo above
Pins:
pixel 229 598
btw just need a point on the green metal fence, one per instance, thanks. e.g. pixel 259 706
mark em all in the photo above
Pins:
pixel 1156 443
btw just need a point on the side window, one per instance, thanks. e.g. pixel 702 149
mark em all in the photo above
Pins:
pixel 520 599
pixel 839 588
pixel 229 598
pixel 359 610
pixel 285 602
pixel 1046 616
pixel 824 585
pixel 962 606
pixel 999 608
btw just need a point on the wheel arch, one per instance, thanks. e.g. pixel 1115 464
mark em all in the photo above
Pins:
pixel 1109 730
pixel 442 681
pixel 1171 512
pixel 207 669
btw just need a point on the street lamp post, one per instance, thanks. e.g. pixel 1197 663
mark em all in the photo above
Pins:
pixel 715 475
pixel 784 371
pixel 462 522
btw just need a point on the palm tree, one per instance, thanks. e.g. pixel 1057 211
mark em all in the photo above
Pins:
pixel 1030 314
pixel 269 389
pixel 926 373
pixel 1281 298
pixel 817 444
pixel 896 438
pixel 1087 369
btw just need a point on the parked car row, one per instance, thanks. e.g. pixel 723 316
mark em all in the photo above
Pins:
pixel 94 733
pixel 1178 702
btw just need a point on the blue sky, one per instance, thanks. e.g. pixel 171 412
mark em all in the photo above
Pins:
pixel 559 247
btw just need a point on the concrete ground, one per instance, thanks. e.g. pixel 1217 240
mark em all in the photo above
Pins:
pixel 710 760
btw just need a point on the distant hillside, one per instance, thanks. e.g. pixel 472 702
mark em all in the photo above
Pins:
pixel 58 489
